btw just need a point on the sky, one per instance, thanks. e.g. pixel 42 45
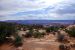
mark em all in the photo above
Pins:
pixel 37 10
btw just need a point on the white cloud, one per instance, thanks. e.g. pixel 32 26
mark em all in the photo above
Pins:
pixel 10 7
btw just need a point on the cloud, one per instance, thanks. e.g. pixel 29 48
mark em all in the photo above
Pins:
pixel 37 9
pixel 65 9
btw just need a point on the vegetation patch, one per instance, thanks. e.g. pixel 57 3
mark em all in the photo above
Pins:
pixel 71 31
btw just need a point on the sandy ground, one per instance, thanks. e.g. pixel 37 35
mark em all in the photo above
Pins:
pixel 47 43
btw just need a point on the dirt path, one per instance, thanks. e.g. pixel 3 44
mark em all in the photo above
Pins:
pixel 7 47
pixel 46 43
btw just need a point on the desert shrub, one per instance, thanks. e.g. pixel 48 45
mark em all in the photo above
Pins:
pixel 60 38
pixel 29 34
pixel 62 26
pixel 34 34
pixel 71 31
pixel 51 29
pixel 6 30
pixel 48 30
pixel 43 34
pixel 2 37
pixel 61 47
pixel 64 47
pixel 18 41
pixel 38 35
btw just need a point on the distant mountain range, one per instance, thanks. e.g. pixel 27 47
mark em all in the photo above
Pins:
pixel 42 21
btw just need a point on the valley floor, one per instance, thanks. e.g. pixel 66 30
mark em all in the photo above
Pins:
pixel 46 43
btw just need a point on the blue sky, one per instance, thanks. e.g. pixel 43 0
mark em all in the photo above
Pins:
pixel 37 10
